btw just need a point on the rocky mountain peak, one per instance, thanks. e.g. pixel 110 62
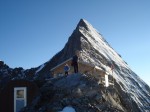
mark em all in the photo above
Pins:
pixel 82 23
pixel 94 49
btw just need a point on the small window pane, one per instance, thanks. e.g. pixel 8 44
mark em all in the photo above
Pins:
pixel 19 105
pixel 20 93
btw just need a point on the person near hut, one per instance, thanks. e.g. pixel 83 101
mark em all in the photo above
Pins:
pixel 75 62
pixel 66 69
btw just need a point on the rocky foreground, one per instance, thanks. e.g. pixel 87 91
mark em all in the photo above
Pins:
pixel 80 91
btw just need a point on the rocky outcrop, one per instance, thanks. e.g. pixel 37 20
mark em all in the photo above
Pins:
pixel 7 74
pixel 80 91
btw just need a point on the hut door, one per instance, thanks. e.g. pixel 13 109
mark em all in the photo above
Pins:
pixel 20 98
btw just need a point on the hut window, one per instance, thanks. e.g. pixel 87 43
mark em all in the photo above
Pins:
pixel 20 98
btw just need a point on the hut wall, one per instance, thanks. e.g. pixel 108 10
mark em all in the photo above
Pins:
pixel 7 94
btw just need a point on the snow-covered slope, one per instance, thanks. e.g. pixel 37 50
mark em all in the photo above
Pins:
pixel 124 76
pixel 95 49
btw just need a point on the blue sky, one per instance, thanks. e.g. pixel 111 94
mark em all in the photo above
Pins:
pixel 32 31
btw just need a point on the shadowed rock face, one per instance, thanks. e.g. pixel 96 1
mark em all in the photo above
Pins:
pixel 73 44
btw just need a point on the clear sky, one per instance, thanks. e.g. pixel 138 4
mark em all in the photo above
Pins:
pixel 32 31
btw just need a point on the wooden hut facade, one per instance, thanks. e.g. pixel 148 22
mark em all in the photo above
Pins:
pixel 84 68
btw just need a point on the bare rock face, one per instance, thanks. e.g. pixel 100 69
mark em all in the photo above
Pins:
pixel 82 92
pixel 133 92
